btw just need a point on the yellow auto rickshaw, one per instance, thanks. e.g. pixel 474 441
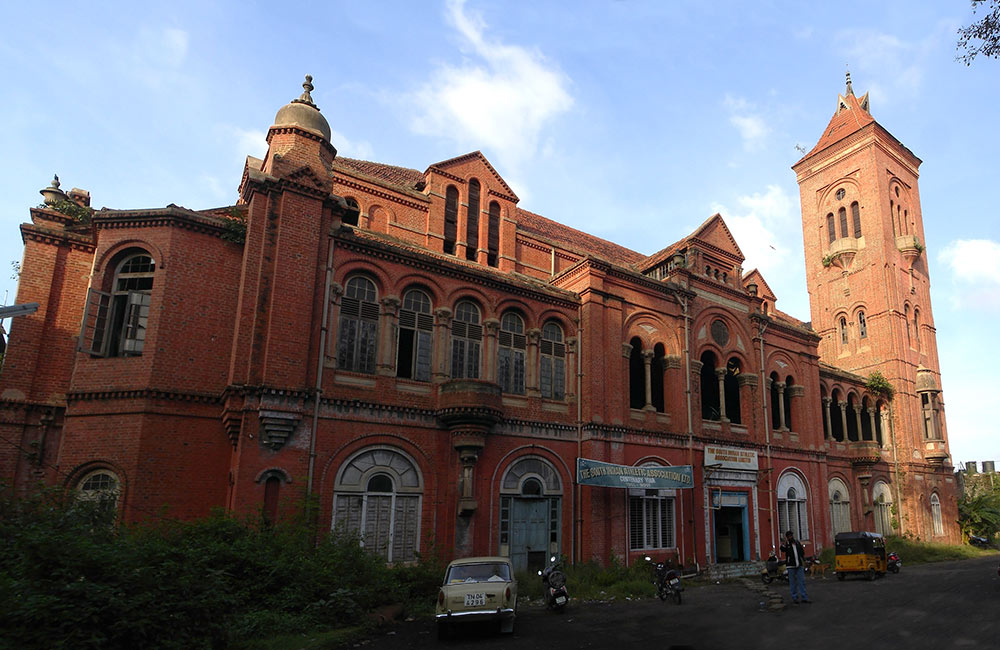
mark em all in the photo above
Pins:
pixel 859 552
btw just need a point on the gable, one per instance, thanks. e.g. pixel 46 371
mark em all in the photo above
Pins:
pixel 468 164
pixel 763 289
pixel 717 235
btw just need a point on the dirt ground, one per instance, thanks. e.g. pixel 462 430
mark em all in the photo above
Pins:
pixel 932 606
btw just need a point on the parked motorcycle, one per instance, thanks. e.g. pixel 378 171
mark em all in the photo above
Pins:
pixel 554 582
pixel 775 569
pixel 667 581
pixel 893 562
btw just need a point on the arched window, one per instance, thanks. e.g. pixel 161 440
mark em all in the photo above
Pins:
pixel 840 507
pixel 102 488
pixel 358 326
pixel 416 329
pixel 466 341
pixel 825 410
pixel 836 416
pixel 906 319
pixel 731 387
pixel 842 215
pixel 882 498
pixel 775 401
pixel 936 514
pixel 880 413
pixel 792 511
pixel 553 362
pixel 493 235
pixel 787 402
pixel 115 322
pixel 843 331
pixel 354 211
pixel 862 325
pixel 450 219
pixel 866 419
pixel 272 491
pixel 856 219
pixel 636 375
pixel 651 518
pixel 892 213
pixel 472 222
pixel 656 376
pixel 831 229
pixel 710 406
pixel 852 418
pixel 916 326
pixel 377 497
pixel 510 354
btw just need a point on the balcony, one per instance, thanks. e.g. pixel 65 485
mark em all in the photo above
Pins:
pixel 469 403
pixel 864 454
pixel 841 252
pixel 910 247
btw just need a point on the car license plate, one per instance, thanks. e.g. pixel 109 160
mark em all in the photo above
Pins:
pixel 475 600
pixel 560 600
pixel 675 581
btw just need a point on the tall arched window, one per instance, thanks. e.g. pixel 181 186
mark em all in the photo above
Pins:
pixel 853 435
pixel 856 219
pixel 831 228
pixel 656 376
pixel 272 493
pixel 836 421
pixel 510 354
pixel 636 375
pixel 775 401
pixel 115 322
pixel 882 498
pixel 493 235
pixel 840 507
pixel 843 331
pixel 731 387
pixel 472 222
pixel 906 319
pixel 552 376
pixel 792 511
pixel 377 497
pixel 862 325
pixel 450 219
pixel 787 402
pixel 842 215
pixel 416 329
pixel 892 218
pixel 936 514
pixel 358 326
pixel 916 326
pixel 466 341
pixel 102 488
pixel 710 405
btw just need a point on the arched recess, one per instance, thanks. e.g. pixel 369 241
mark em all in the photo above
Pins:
pixel 636 375
pixel 867 432
pixel 786 402
pixel 710 406
pixel 853 434
pixel 882 498
pixel 272 480
pixel 377 496
pixel 102 486
pixel 840 506
pixel 731 387
pixel 656 376
pixel 530 512
pixel 793 511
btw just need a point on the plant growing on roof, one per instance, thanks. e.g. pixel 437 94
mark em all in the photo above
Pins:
pixel 235 225
pixel 879 386
pixel 72 209
pixel 827 260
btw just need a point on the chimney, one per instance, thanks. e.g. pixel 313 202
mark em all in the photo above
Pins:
pixel 970 467
pixel 81 197
pixel 988 467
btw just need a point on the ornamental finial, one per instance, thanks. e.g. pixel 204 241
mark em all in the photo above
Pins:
pixel 306 98
pixel 850 91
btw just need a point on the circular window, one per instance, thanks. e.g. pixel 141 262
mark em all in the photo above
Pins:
pixel 720 333
pixel 840 194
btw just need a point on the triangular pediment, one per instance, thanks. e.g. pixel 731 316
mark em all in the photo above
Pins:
pixel 716 234
pixel 763 290
pixel 475 157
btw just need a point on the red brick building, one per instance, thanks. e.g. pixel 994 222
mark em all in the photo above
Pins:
pixel 430 360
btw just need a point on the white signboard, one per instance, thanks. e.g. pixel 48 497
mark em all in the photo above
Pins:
pixel 731 457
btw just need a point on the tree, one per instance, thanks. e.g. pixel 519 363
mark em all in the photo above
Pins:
pixel 982 36
pixel 979 514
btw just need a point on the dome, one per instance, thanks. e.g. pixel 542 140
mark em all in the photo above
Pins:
pixel 302 112
pixel 925 381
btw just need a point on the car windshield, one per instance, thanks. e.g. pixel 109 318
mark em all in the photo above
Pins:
pixel 486 572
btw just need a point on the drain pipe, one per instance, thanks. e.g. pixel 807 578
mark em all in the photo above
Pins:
pixel 767 438
pixel 577 549
pixel 323 334
pixel 682 299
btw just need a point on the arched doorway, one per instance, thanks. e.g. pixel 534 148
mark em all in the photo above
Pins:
pixel 530 512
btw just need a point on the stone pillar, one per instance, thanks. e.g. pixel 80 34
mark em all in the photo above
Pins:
pixel 780 386
pixel 871 420
pixel 442 348
pixel 385 363
pixel 721 374
pixel 843 418
pixel 647 363
pixel 336 293
pixel 795 394
pixel 531 364
pixel 491 326
pixel 826 417
pixel 857 418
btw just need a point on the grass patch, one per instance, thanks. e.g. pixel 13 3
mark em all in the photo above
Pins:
pixel 319 640
pixel 915 552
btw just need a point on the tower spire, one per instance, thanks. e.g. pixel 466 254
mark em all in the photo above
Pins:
pixel 849 91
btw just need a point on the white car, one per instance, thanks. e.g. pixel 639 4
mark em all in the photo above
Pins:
pixel 477 589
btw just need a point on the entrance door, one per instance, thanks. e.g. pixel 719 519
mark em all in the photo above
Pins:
pixel 529 533
pixel 731 536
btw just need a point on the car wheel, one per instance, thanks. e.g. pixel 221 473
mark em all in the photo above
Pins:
pixel 871 574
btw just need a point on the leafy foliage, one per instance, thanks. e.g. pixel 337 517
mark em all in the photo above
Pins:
pixel 982 36
pixel 979 513
pixel 236 226
pixel 79 213
pixel 70 579
pixel 878 385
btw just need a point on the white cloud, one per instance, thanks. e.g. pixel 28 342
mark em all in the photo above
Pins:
pixel 756 224
pixel 349 149
pixel 501 97
pixel 975 273
pixel 751 126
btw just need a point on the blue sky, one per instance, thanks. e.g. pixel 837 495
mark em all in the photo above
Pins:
pixel 631 120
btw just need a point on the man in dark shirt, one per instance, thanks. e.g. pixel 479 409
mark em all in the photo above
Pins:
pixel 795 560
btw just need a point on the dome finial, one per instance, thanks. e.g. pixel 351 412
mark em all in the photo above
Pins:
pixel 850 91
pixel 306 98
pixel 52 194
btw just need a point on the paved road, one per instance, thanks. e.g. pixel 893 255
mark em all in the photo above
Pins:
pixel 933 606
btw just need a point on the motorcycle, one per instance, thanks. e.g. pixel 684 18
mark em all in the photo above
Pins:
pixel 554 582
pixel 893 562
pixel 667 581
pixel 775 569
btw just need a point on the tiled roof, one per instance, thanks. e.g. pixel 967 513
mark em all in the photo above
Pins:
pixel 402 176
pixel 849 118
pixel 576 240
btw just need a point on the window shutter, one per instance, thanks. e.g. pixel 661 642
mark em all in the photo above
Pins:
pixel 93 330
pixel 423 369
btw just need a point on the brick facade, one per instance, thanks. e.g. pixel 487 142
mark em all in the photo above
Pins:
pixel 430 366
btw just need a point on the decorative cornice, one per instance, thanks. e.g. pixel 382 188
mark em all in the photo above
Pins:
pixel 56 238
pixel 309 135
pixel 143 393
pixel 423 207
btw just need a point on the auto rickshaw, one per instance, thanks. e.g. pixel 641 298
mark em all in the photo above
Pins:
pixel 859 552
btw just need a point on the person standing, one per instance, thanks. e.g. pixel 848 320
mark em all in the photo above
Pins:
pixel 795 560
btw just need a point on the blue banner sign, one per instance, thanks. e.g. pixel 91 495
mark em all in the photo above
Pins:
pixel 651 477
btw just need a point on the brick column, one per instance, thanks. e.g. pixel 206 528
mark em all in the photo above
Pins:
pixel 721 374
pixel 491 327
pixel 336 293
pixel 531 364
pixel 442 351
pixel 780 386
pixel 647 363
pixel 385 364
pixel 826 417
